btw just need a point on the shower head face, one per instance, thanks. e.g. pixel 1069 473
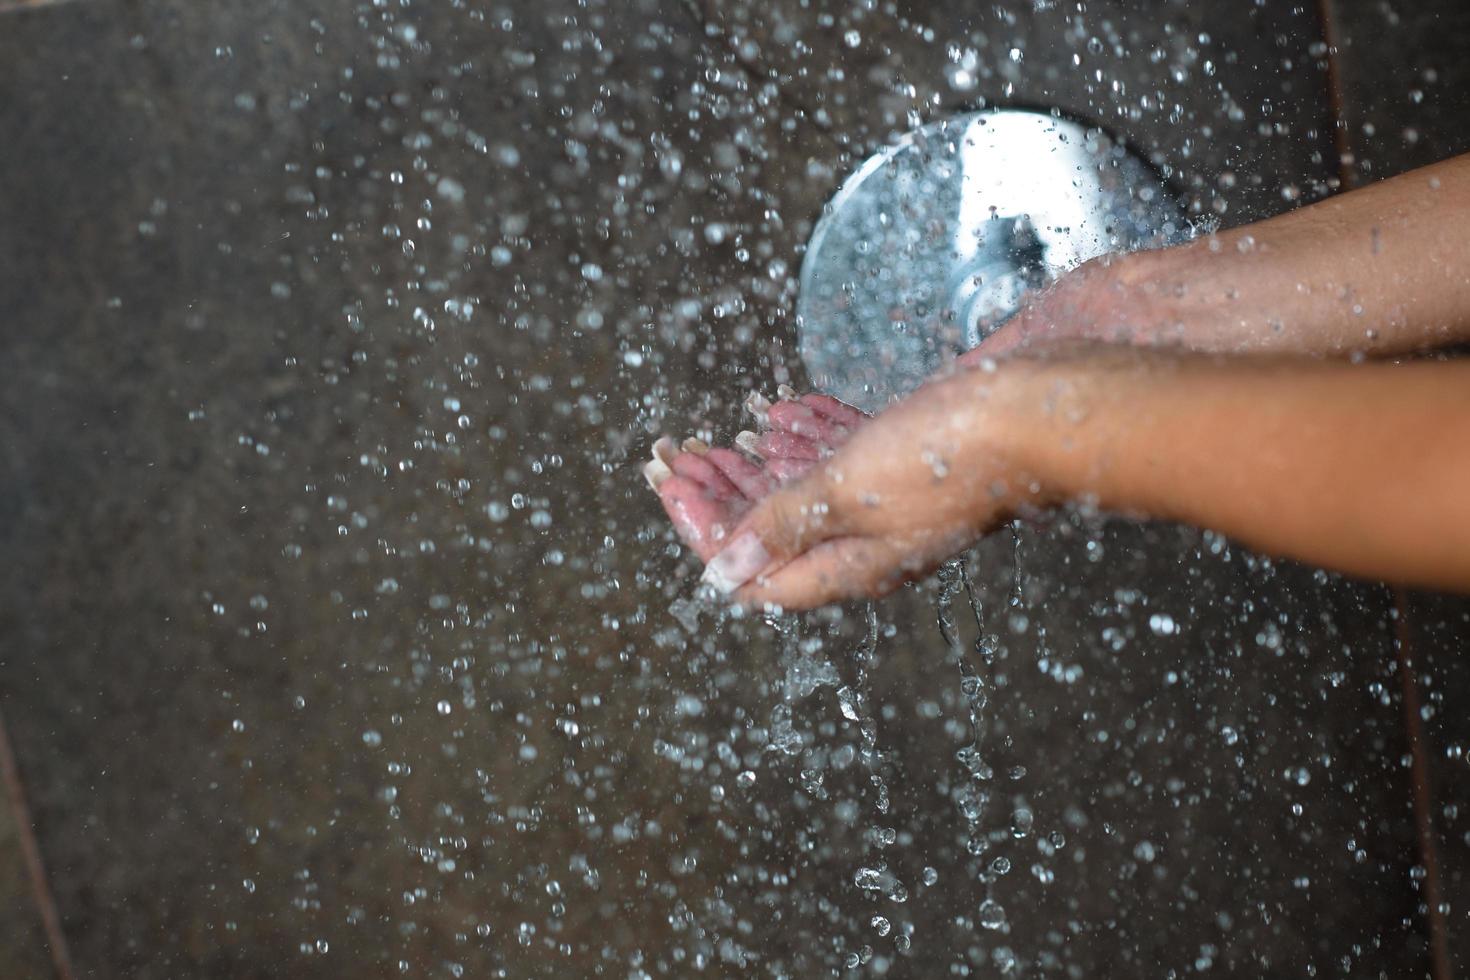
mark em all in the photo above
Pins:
pixel 933 243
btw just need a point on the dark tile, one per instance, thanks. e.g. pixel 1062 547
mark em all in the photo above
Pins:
pixel 341 621
pixel 24 951
pixel 286 629
pixel 1219 739
pixel 1437 636
pixel 1232 110
pixel 1187 741
pixel 1404 85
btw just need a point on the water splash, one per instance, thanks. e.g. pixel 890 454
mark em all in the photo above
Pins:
pixel 855 703
pixel 1018 594
pixel 856 706
pixel 972 794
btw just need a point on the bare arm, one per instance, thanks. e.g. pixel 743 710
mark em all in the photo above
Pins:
pixel 1361 468
pixel 1381 270
pixel 1364 469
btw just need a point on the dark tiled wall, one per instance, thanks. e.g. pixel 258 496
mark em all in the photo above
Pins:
pixel 22 929
pixel 1404 83
pixel 255 555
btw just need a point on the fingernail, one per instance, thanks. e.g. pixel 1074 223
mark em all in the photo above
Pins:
pixel 757 404
pixel 664 450
pixel 739 562
pixel 748 441
pixel 656 471
pixel 786 393
pixel 696 446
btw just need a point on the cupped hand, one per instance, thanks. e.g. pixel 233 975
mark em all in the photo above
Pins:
pixel 707 490
pixel 905 491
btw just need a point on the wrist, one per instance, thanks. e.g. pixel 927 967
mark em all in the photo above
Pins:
pixel 1059 421
pixel 1140 298
pixel 1174 295
pixel 1033 410
pixel 1222 293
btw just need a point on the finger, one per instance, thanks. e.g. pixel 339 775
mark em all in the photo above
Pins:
pixel 757 405
pixel 753 481
pixel 701 470
pixel 836 411
pixel 789 470
pixel 1008 338
pixel 701 520
pixel 777 530
pixel 779 445
pixel 843 568
pixel 1024 334
pixel 800 420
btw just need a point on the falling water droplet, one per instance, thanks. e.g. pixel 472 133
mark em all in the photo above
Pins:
pixel 992 914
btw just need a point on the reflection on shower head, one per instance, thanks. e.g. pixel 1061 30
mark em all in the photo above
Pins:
pixel 932 243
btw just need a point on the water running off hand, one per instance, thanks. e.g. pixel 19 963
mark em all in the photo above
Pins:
pixel 972 793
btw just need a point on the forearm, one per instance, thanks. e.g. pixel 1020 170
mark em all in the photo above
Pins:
pixel 1363 469
pixel 1381 270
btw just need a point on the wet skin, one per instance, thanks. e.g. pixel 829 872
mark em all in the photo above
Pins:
pixel 706 490
pixel 1228 383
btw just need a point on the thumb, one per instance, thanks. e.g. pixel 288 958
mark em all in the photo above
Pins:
pixel 782 527
pixel 1015 333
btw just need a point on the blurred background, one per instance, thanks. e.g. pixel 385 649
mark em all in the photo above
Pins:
pixel 339 634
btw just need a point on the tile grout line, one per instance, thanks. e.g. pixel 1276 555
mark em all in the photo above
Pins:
pixel 1341 142
pixel 1423 799
pixel 36 869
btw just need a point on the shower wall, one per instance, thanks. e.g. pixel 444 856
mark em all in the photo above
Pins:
pixel 340 634
pixel 1401 91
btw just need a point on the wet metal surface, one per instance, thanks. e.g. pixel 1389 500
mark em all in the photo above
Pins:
pixel 930 245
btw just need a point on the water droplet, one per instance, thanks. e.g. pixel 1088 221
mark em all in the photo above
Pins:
pixel 1162 624
pixel 992 914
